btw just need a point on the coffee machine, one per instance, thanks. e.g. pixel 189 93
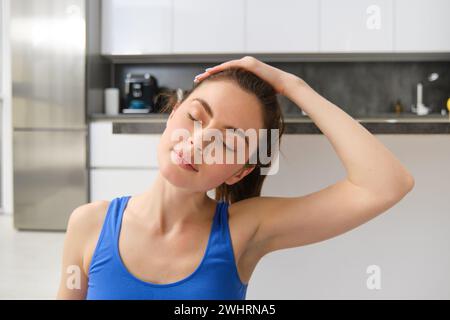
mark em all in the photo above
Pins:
pixel 140 92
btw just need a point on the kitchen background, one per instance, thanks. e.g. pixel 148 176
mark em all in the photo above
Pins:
pixel 63 144
pixel 376 86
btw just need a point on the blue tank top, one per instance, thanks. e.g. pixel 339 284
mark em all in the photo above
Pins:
pixel 216 277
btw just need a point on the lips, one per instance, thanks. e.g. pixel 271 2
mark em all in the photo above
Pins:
pixel 185 161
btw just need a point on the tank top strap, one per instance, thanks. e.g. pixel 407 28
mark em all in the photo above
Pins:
pixel 221 239
pixel 223 218
pixel 104 250
pixel 113 220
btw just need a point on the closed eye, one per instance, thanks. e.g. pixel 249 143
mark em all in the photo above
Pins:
pixel 223 142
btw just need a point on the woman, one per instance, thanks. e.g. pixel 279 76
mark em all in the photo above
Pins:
pixel 174 242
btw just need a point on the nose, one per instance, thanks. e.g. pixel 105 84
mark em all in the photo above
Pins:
pixel 200 139
pixel 194 146
pixel 195 141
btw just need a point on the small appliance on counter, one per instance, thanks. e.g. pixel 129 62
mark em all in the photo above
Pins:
pixel 140 92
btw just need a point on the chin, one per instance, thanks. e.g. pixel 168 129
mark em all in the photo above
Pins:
pixel 181 178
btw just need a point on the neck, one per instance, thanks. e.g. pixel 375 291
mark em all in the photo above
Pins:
pixel 169 207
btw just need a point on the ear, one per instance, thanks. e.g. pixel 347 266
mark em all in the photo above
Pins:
pixel 240 174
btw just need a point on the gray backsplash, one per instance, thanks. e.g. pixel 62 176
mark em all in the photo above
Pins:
pixel 360 88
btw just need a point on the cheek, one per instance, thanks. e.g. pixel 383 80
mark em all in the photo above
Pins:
pixel 177 122
pixel 163 148
pixel 173 134
pixel 165 144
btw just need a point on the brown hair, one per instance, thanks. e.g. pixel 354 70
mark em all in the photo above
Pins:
pixel 251 184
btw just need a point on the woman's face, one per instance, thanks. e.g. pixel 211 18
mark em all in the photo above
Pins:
pixel 230 107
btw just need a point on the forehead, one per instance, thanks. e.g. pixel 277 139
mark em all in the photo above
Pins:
pixel 230 104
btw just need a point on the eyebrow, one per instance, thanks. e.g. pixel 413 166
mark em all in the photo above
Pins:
pixel 209 111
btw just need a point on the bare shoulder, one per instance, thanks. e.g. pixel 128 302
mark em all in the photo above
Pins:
pixel 84 227
pixel 87 216
pixel 247 211
pixel 244 221
pixel 246 215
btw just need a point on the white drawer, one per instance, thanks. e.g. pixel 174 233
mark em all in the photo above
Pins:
pixel 121 150
pixel 107 184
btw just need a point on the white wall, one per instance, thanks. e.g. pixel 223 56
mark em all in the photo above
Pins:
pixel 410 242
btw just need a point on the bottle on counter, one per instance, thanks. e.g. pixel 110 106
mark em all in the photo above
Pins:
pixel 398 107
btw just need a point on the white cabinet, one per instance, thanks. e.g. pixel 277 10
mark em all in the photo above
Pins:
pixel 356 26
pixel 107 184
pixel 422 26
pixel 121 150
pixel 282 26
pixel 120 164
pixel 205 26
pixel 136 26
pixel 267 26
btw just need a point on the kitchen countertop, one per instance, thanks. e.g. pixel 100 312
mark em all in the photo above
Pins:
pixel 384 123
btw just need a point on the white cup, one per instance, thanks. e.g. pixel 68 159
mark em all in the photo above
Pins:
pixel 112 101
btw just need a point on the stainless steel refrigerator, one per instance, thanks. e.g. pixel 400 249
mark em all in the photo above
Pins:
pixel 49 52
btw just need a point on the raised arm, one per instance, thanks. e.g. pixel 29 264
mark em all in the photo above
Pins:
pixel 375 180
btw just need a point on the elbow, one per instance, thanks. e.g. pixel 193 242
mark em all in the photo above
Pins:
pixel 405 182
pixel 402 189
pixel 398 191
pixel 410 182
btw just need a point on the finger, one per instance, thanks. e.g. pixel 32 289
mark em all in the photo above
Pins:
pixel 209 71
pixel 225 65
pixel 201 76
pixel 220 67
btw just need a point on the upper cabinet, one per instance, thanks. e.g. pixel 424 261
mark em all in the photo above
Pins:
pixel 356 26
pixel 422 25
pixel 268 26
pixel 282 26
pixel 208 26
pixel 136 26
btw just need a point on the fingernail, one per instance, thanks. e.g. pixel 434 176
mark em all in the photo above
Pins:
pixel 198 75
pixel 207 69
